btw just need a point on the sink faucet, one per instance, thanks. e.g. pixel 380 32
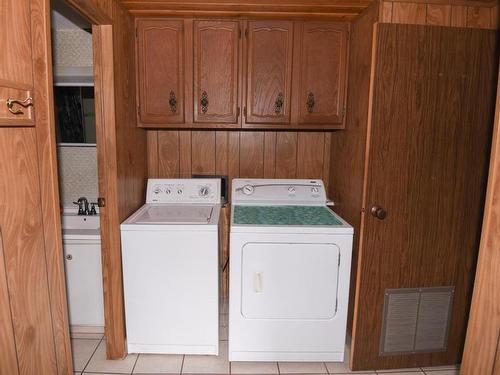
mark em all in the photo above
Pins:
pixel 83 206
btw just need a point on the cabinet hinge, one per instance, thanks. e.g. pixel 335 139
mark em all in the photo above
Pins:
pixel 238 112
pixel 245 111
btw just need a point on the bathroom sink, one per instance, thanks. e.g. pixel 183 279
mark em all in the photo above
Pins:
pixel 73 221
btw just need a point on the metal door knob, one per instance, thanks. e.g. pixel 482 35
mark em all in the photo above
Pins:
pixel 379 212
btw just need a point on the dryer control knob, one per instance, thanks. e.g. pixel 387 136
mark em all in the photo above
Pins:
pixel 179 191
pixel 291 189
pixel 248 189
pixel 315 190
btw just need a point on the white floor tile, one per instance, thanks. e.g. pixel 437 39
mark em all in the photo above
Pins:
pixel 439 368
pixel 302 368
pixel 158 364
pixel 207 364
pixel 92 336
pixel 396 372
pixel 400 370
pixel 254 368
pixel 443 372
pixel 82 350
pixel 99 363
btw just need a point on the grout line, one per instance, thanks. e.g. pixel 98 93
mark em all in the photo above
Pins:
pixel 92 355
pixel 182 364
pixel 135 363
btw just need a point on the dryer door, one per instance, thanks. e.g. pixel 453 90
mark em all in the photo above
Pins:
pixel 289 280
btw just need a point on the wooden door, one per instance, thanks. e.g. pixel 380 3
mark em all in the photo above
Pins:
pixel 322 75
pixel 216 62
pixel 269 72
pixel 16 63
pixel 427 168
pixel 160 60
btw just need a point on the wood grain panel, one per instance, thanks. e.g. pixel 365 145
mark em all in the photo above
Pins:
pixel 203 152
pixel 436 162
pixel 310 149
pixel 479 17
pixel 438 15
pixel 286 155
pixel 385 11
pixel 24 253
pixel 269 71
pixel 459 16
pixel 152 147
pixel 216 63
pixel 8 354
pixel 269 154
pixel 410 13
pixel 185 155
pixel 481 345
pixel 168 151
pixel 252 154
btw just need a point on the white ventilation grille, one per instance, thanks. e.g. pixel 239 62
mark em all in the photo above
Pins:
pixel 416 320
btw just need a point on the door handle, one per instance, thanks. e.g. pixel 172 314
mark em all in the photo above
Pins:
pixel 378 212
pixel 23 103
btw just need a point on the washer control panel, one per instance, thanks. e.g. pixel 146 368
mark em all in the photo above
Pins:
pixel 196 190
pixel 277 191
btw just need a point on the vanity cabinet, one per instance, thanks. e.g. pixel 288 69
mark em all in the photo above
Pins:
pixel 200 73
pixel 269 48
pixel 321 72
pixel 216 68
pixel 160 63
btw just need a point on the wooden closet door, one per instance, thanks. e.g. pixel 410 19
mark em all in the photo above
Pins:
pixel 160 46
pixel 432 116
pixel 16 62
pixel 216 55
pixel 323 54
pixel 269 46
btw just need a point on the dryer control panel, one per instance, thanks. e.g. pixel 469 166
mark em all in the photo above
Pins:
pixel 183 191
pixel 278 191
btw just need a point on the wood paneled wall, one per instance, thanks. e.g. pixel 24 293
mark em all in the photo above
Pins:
pixel 173 154
pixel 440 14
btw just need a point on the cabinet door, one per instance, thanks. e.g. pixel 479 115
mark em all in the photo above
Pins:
pixel 323 47
pixel 269 72
pixel 16 63
pixel 216 55
pixel 160 46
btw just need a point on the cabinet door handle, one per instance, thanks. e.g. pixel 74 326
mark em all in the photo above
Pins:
pixel 278 104
pixel 310 102
pixel 204 102
pixel 173 102
pixel 23 103
pixel 378 212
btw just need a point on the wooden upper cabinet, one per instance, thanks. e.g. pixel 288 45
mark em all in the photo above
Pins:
pixel 160 59
pixel 215 66
pixel 269 46
pixel 322 72
pixel 16 64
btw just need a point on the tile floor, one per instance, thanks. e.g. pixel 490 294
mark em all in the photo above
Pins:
pixel 89 357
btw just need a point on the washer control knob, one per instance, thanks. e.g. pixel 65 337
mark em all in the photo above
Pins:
pixel 291 189
pixel 248 189
pixel 179 191
pixel 168 191
pixel 157 190
pixel 204 191
pixel 314 190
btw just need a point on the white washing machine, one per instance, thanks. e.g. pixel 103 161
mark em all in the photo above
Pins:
pixel 290 261
pixel 170 255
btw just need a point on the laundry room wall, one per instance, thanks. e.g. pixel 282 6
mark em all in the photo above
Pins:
pixel 252 154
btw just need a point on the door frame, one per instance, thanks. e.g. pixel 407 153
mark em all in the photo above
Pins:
pixel 101 18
